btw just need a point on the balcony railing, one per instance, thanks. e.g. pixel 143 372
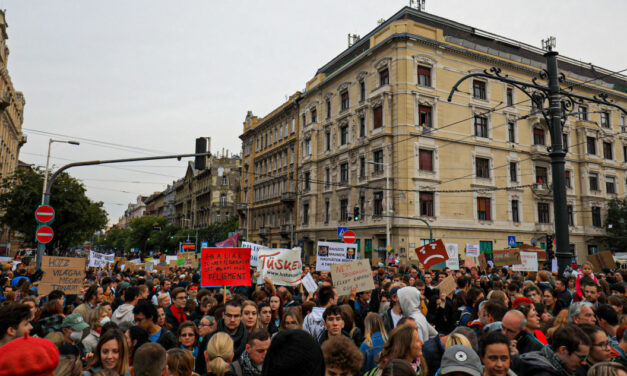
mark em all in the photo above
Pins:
pixel 288 197
pixel 264 230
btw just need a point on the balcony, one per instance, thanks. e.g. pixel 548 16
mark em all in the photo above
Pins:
pixel 286 230
pixel 242 208
pixel 288 198
pixel 264 231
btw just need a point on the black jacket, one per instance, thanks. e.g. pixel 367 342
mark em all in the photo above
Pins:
pixel 565 298
pixel 167 339
pixel 541 363
pixel 325 335
pixel 432 351
pixel 239 344
pixel 525 343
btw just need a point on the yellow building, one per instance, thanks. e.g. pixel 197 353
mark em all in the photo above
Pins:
pixel 476 169
pixel 269 176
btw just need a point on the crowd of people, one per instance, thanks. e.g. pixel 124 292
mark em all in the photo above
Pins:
pixel 496 322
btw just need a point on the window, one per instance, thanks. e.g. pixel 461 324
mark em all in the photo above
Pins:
pixel 542 175
pixel 327 205
pixel 513 171
pixel 485 247
pixel 292 155
pixel 569 209
pixel 538 136
pixel 511 131
pixel 308 147
pixel 509 96
pixel 425 116
pixel 592 249
pixel 344 173
pixel 305 214
pixel 478 89
pixel 343 209
pixel 596 216
pixel 362 167
pixel 426 204
pixel 607 150
pixel 515 217
pixel 567 178
pixel 328 105
pixel 294 124
pixel 362 205
pixel 483 168
pixel 344 135
pixel 384 77
pixel 625 152
pixel 543 212
pixel 483 208
pixel 362 126
pixel 610 185
pixel 621 120
pixel 362 90
pixel 591 145
pixel 327 177
pixel 593 178
pixel 344 100
pixel 377 114
pixel 378 203
pixel 327 140
pixel 223 200
pixel 378 160
pixel 565 141
pixel 224 180
pixel 481 126
pixel 307 179
pixel 605 119
pixel 314 115
pixel 425 161
pixel 583 113
pixel 424 76
pixel 218 217
pixel 304 119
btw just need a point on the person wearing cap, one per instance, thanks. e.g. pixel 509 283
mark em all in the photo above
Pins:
pixel 394 313
pixel 72 328
pixel 28 356
pixel 460 360
pixel 14 322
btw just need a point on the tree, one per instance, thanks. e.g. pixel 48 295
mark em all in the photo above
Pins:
pixel 77 217
pixel 616 238
pixel 219 231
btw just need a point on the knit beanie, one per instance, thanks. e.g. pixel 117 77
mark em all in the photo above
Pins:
pixel 293 352
pixel 28 356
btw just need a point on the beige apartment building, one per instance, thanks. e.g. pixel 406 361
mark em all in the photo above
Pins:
pixel 267 206
pixel 476 169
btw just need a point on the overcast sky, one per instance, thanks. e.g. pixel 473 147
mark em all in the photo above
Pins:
pixel 154 75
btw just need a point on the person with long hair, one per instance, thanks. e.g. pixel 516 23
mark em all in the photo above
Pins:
pixel 560 319
pixel 180 363
pixel 404 343
pixel 250 316
pixel 291 319
pixel 136 336
pixel 187 337
pixel 111 353
pixel 550 297
pixel 375 337
pixel 398 367
pixel 276 305
pixel 50 318
pixel 219 355
pixel 607 369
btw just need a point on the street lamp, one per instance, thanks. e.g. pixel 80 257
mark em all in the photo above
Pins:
pixel 387 204
pixel 43 189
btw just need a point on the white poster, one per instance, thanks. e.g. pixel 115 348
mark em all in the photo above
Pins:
pixel 169 258
pixel 309 283
pixel 329 253
pixel 254 252
pixel 554 265
pixel 100 260
pixel 453 256
pixel 149 266
pixel 472 250
pixel 529 262
pixel 283 266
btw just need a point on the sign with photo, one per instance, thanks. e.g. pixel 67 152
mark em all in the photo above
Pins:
pixel 329 253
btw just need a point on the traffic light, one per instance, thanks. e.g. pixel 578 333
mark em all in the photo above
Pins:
pixel 200 162
pixel 356 213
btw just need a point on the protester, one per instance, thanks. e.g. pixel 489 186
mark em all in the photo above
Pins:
pixel 600 348
pixel 314 322
pixel 608 369
pixel 99 317
pixel 29 356
pixel 150 360
pixel 136 336
pixel 293 352
pixel 145 315
pixel 250 316
pixel 111 353
pixel 219 354
pixel 581 312
pixel 250 363
pixel 175 313
pixel 341 357
pixel 409 299
pixel 495 355
pixel 404 343
pixel 460 360
pixel 14 322
pixel 180 363
pixel 375 337
pixel 291 319
pixel 123 315
pixel 187 337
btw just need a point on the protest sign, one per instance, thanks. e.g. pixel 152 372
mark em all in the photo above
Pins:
pixel 472 250
pixel 482 262
pixel 352 274
pixel 180 262
pixel 529 262
pixel 100 260
pixel 602 260
pixel 169 258
pixel 506 257
pixel 376 260
pixel 162 268
pixel 432 253
pixel 225 266
pixel 309 283
pixel 448 285
pixel 137 260
pixel 149 266
pixel 329 253
pixel 188 257
pixel 254 251
pixel 173 263
pixel 453 256
pixel 469 262
pixel 62 273
pixel 282 266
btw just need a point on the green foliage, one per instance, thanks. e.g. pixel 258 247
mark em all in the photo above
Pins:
pixel 616 217
pixel 77 217
pixel 219 231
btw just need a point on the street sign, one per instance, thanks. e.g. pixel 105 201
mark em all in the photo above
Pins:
pixel 349 237
pixel 204 245
pixel 44 214
pixel 44 234
pixel 341 231
pixel 511 241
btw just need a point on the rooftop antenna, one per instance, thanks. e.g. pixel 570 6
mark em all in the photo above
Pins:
pixel 417 4
pixel 380 21
pixel 352 39
pixel 549 43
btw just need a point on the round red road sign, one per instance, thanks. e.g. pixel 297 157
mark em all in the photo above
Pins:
pixel 349 237
pixel 44 234
pixel 44 214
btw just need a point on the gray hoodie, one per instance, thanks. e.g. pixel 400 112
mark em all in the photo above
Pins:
pixel 123 316
pixel 409 298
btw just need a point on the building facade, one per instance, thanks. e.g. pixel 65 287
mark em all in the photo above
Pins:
pixel 378 138
pixel 267 206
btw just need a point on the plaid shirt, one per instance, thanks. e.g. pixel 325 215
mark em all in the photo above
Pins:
pixel 49 324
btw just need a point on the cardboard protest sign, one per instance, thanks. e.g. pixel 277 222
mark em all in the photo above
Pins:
pixel 173 263
pixel 309 283
pixel 62 273
pixel 375 260
pixel 100 260
pixel 447 285
pixel 432 253
pixel 453 256
pixel 169 259
pixel 282 266
pixel 352 274
pixel 225 266
pixel 482 262
pixel 149 266
pixel 254 251
pixel 329 253
pixel 472 250
pixel 529 262
pixel 162 268
pixel 601 261
pixel 189 258
pixel 506 257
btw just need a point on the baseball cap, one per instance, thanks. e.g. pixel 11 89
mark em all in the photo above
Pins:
pixel 74 321
pixel 462 359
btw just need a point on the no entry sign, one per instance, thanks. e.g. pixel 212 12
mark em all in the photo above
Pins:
pixel 44 214
pixel 349 237
pixel 44 234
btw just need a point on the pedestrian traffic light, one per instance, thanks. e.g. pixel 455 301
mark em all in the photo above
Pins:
pixel 356 213
pixel 200 162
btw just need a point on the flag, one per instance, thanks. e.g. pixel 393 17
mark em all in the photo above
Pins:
pixel 230 242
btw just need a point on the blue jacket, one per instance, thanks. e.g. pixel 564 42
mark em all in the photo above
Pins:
pixel 371 352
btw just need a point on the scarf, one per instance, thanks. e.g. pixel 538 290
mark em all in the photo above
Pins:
pixel 179 313
pixel 248 367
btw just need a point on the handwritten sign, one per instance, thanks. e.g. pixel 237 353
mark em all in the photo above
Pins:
pixel 100 260
pixel 601 261
pixel 352 274
pixel 189 258
pixel 453 256
pixel 447 285
pixel 62 273
pixel 529 262
pixel 254 252
pixel 482 262
pixel 225 266
pixel 506 257
pixel 283 266
pixel 309 283
pixel 472 250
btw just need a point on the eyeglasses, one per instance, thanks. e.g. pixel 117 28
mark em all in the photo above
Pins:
pixel 180 297
pixel 603 345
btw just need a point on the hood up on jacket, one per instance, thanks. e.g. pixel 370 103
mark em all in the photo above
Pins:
pixel 409 298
